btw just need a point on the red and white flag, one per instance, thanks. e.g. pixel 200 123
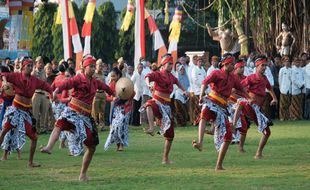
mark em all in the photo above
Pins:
pixel 86 30
pixel 65 29
pixel 139 32
pixel 158 41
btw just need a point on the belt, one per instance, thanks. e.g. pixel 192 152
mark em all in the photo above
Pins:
pixel 22 102
pixel 217 98
pixel 160 98
pixel 80 106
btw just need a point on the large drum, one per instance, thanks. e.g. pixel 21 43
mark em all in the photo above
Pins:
pixel 124 88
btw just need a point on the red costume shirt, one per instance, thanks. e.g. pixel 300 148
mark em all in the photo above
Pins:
pixel 58 80
pixel 222 82
pixel 257 84
pixel 26 85
pixel 112 87
pixel 164 81
pixel 83 88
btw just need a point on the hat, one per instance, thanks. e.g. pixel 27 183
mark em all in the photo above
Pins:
pixel 227 59
pixel 99 62
pixel 121 59
pixel 124 88
pixel 39 58
pixel 89 61
pixel 240 63
pixel 166 59
pixel 25 61
pixel 260 61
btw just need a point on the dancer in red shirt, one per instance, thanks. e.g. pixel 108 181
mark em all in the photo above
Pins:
pixel 256 85
pixel 214 107
pixel 76 117
pixel 160 105
pixel 18 116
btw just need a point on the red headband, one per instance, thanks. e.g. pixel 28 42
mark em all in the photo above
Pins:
pixel 239 64
pixel 228 60
pixel 89 61
pixel 26 62
pixel 166 60
pixel 260 61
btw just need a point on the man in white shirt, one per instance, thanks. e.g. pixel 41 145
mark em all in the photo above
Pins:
pixel 298 84
pixel 192 97
pixel 307 86
pixel 198 75
pixel 250 65
pixel 138 80
pixel 146 91
pixel 214 64
pixel 285 84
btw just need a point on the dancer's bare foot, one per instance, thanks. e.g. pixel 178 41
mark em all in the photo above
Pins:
pixel 167 162
pixel 219 168
pixel 19 155
pixel 258 156
pixel 120 147
pixel 4 158
pixel 83 177
pixel 149 131
pixel 34 165
pixel 196 145
pixel 44 150
pixel 241 150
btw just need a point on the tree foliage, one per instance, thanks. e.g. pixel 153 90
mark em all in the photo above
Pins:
pixel 107 32
pixel 42 33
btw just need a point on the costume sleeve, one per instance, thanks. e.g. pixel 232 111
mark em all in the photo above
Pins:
pixel 43 85
pixel 238 84
pixel 10 77
pixel 153 76
pixel 211 78
pixel 70 83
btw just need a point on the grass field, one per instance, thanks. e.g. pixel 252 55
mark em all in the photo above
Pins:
pixel 286 164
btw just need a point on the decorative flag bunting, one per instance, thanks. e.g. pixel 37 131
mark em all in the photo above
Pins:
pixel 128 16
pixel 139 32
pixel 27 25
pixel 65 29
pixel 175 31
pixel 157 38
pixel 15 9
pixel 86 30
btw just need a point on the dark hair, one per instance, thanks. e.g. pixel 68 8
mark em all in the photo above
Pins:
pixel 4 69
pixel 63 66
pixel 71 71
pixel 117 71
pixel 69 59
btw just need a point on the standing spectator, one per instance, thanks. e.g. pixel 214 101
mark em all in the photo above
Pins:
pixel 130 70
pixel 307 95
pixel 99 102
pixel 17 65
pixel 49 117
pixel 71 63
pixel 146 91
pixel 214 64
pixel 192 97
pixel 39 101
pixel 55 66
pixel 138 80
pixel 180 99
pixel 298 84
pixel 285 83
pixel 198 74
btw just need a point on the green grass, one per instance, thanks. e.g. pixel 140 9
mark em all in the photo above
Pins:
pixel 286 164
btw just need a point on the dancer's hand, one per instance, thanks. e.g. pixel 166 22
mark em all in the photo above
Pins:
pixel 274 102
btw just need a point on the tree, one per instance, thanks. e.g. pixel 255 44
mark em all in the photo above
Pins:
pixel 106 36
pixel 42 32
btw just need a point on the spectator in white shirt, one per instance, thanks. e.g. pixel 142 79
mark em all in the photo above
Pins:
pixel 192 97
pixel 285 84
pixel 298 84
pixel 146 91
pixel 137 79
pixel 307 86
pixel 198 75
